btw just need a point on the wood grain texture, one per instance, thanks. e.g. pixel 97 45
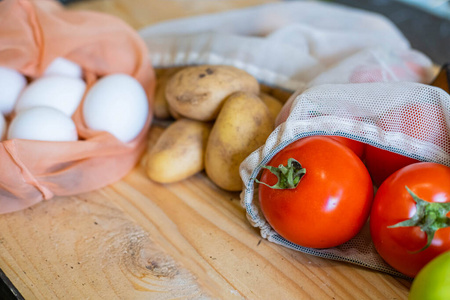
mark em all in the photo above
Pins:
pixel 140 13
pixel 137 239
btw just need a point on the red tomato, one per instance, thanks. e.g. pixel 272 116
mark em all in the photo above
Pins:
pixel 408 71
pixel 355 146
pixel 332 200
pixel 423 121
pixel 402 246
pixel 382 163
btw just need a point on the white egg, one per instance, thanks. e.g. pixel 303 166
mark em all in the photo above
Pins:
pixel 11 84
pixel 117 104
pixel 60 92
pixel 63 67
pixel 43 124
pixel 2 127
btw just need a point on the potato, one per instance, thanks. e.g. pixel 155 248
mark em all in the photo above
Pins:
pixel 198 92
pixel 166 71
pixel 174 114
pixel 272 103
pixel 179 151
pixel 160 105
pixel 280 94
pixel 161 108
pixel 241 127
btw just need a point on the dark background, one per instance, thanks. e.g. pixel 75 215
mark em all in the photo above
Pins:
pixel 427 32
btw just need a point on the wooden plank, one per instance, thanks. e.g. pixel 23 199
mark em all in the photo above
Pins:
pixel 140 13
pixel 137 239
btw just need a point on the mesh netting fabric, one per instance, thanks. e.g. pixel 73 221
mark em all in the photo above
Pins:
pixel 291 44
pixel 407 118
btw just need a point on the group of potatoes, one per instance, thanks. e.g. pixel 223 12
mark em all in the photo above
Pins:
pixel 220 116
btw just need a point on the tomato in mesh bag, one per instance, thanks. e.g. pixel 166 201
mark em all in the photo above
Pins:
pixel 316 193
pixel 412 120
pixel 358 147
pixel 382 163
pixel 410 216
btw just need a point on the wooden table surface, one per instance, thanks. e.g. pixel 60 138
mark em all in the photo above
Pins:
pixel 137 239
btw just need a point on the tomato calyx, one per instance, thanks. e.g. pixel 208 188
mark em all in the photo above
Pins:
pixel 288 176
pixel 429 216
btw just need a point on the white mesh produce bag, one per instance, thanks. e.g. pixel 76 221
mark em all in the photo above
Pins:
pixel 288 44
pixel 352 71
pixel 373 113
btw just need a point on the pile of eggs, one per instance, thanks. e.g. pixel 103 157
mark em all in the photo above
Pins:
pixel 42 109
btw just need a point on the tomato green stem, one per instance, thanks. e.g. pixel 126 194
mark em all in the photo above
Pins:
pixel 429 216
pixel 288 176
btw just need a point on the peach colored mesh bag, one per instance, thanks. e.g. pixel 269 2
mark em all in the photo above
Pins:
pixel 32 35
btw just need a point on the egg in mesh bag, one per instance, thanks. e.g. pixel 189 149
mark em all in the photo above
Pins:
pixel 408 118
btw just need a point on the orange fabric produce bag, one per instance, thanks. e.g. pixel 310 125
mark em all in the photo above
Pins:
pixel 32 35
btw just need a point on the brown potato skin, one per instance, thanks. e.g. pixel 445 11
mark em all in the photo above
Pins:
pixel 272 103
pixel 174 114
pixel 280 94
pixel 160 105
pixel 161 109
pixel 179 152
pixel 198 92
pixel 241 127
